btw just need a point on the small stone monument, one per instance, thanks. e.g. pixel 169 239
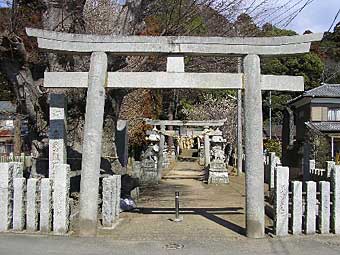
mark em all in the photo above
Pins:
pixel 201 155
pixel 166 160
pixel 149 174
pixel 218 171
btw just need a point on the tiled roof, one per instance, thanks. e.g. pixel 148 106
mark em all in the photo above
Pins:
pixel 325 90
pixel 326 126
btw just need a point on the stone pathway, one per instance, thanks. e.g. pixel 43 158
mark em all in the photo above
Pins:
pixel 211 212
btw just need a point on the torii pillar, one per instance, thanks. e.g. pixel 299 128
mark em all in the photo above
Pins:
pixel 253 147
pixel 92 144
pixel 206 147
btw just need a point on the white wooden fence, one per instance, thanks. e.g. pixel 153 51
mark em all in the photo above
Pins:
pixel 310 208
pixel 34 205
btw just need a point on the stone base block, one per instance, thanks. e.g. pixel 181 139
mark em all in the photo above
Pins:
pixel 107 202
pixel 61 187
pixel 149 176
pixel 149 172
pixel 218 177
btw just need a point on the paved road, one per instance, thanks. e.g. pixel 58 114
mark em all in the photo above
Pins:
pixel 36 245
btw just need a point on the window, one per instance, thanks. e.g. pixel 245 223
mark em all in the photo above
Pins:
pixel 334 114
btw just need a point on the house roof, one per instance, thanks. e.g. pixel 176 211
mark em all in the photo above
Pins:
pixel 325 90
pixel 325 126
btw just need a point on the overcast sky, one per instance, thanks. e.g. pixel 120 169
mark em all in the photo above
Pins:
pixel 317 17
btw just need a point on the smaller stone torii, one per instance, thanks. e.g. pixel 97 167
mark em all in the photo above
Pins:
pixel 175 48
pixel 205 124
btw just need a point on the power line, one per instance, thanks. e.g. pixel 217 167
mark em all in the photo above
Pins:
pixel 285 12
pixel 336 16
pixel 290 17
pixel 299 11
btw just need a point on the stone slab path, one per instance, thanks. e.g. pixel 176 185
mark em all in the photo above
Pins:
pixel 211 212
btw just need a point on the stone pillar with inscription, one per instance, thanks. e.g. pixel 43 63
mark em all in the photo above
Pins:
pixel 57 132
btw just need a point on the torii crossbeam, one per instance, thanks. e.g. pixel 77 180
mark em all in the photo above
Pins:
pixel 175 48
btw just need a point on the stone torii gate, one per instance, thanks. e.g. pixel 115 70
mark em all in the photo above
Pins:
pixel 175 48
pixel 188 123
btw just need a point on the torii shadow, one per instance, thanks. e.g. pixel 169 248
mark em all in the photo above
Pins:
pixel 208 213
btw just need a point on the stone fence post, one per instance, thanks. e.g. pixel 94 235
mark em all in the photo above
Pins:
pixel 335 186
pixel 61 199
pixel 111 200
pixel 8 172
pixel 19 185
pixel 45 205
pixel 297 208
pixel 281 200
pixel 32 205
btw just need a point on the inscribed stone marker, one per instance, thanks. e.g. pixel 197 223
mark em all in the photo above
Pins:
pixel 57 132
pixel 281 200
pixel 107 202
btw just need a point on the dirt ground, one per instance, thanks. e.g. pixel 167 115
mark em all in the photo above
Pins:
pixel 209 211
